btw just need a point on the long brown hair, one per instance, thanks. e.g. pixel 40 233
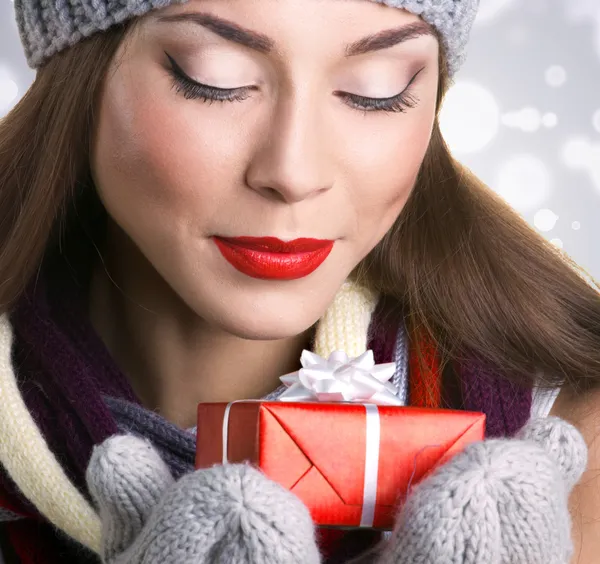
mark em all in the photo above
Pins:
pixel 459 263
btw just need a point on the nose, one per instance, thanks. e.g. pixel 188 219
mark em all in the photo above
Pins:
pixel 291 163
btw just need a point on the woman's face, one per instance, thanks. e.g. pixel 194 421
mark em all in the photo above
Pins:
pixel 286 119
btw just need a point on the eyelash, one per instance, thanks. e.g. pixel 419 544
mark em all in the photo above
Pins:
pixel 192 90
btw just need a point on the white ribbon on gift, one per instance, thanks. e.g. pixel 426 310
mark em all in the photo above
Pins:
pixel 372 436
pixel 340 378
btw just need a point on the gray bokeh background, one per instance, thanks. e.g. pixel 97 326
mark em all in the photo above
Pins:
pixel 524 113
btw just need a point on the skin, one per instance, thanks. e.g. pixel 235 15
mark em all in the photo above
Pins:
pixel 293 159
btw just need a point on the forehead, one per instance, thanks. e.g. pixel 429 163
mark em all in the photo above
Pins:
pixel 277 23
pixel 311 8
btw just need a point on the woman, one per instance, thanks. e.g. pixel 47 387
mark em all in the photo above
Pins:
pixel 159 182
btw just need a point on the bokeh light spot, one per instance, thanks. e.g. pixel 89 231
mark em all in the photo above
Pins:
pixel 524 182
pixel 556 76
pixel 469 118
pixel 545 220
pixel 549 120
pixel 596 120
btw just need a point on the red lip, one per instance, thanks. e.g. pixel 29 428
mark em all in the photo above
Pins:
pixel 273 259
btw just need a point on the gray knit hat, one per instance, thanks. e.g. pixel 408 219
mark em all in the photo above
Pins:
pixel 49 26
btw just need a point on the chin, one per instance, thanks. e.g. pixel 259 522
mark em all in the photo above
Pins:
pixel 257 309
pixel 262 324
pixel 267 332
pixel 257 313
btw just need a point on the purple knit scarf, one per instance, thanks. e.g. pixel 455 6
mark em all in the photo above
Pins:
pixel 65 375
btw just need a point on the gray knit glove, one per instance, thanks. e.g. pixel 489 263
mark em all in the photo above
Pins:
pixel 226 514
pixel 501 501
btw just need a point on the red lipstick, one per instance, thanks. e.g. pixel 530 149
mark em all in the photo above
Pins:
pixel 273 259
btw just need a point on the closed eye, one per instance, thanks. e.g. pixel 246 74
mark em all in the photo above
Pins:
pixel 194 90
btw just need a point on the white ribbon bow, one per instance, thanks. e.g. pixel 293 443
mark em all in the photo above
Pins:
pixel 340 378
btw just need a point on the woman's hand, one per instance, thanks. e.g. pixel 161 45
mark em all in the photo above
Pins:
pixel 501 501
pixel 226 514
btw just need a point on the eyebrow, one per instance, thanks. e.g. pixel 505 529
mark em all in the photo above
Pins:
pixel 264 44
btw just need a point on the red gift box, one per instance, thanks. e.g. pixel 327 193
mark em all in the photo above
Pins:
pixel 351 464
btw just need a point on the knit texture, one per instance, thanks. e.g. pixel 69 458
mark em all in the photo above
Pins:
pixel 40 477
pixel 345 324
pixel 502 501
pixel 176 446
pixel 498 398
pixel 48 27
pixel 426 383
pixel 230 513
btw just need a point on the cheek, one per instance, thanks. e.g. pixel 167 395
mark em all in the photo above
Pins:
pixel 154 159
pixel 387 170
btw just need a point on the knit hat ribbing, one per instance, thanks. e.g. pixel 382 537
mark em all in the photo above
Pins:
pixel 47 27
